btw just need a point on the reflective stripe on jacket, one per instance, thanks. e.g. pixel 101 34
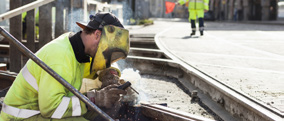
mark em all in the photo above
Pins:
pixel 34 91
pixel 196 4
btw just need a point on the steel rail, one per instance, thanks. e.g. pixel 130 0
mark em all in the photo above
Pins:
pixel 30 54
pixel 176 113
pixel 257 107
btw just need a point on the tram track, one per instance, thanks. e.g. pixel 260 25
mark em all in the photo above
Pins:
pixel 232 102
pixel 158 63
pixel 238 104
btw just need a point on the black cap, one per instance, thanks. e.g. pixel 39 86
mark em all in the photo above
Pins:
pixel 99 20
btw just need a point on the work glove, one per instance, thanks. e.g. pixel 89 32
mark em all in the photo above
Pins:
pixel 105 97
pixel 109 76
pixel 131 96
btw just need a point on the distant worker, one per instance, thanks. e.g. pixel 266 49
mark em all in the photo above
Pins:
pixel 37 96
pixel 196 8
pixel 24 24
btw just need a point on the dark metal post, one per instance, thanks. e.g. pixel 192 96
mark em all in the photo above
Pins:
pixel 16 30
pixel 30 54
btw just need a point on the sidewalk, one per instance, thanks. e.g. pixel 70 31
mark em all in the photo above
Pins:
pixel 247 57
pixel 279 22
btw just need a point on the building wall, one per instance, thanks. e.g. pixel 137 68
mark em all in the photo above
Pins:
pixel 4 8
pixel 235 10
pixel 245 9
pixel 141 9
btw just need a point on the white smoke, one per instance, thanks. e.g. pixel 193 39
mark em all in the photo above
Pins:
pixel 135 79
pixel 75 16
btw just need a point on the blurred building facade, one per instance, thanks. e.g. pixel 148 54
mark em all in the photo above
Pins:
pixel 3 9
pixel 237 10
pixel 244 9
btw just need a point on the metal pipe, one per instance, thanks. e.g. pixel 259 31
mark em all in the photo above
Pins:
pixel 30 54
pixel 20 10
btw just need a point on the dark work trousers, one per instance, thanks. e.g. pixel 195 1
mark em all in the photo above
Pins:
pixel 201 24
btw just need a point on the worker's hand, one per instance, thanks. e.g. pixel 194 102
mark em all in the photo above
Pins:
pixel 122 81
pixel 105 97
pixel 109 76
pixel 205 11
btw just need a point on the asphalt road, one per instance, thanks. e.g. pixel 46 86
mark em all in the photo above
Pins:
pixel 246 57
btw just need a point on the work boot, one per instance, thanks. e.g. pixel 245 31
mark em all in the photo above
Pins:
pixel 201 33
pixel 192 33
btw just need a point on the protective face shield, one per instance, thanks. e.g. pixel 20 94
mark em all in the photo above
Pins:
pixel 113 46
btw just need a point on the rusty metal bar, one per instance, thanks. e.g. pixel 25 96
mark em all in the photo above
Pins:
pixel 167 114
pixel 30 54
pixel 24 8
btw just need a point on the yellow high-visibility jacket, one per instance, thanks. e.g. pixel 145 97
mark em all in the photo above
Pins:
pixel 35 92
pixel 196 4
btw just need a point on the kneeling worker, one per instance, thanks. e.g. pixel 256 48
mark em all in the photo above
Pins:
pixel 35 95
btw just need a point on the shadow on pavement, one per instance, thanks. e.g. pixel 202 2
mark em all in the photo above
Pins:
pixel 187 37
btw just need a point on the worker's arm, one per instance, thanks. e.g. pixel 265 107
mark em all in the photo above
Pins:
pixel 206 5
pixel 94 75
pixel 53 98
pixel 109 76
pixel 181 2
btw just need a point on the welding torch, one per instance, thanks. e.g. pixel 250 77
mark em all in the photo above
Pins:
pixel 125 85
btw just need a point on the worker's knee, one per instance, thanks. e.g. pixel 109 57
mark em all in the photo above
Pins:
pixel 91 115
pixel 200 13
pixel 40 118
